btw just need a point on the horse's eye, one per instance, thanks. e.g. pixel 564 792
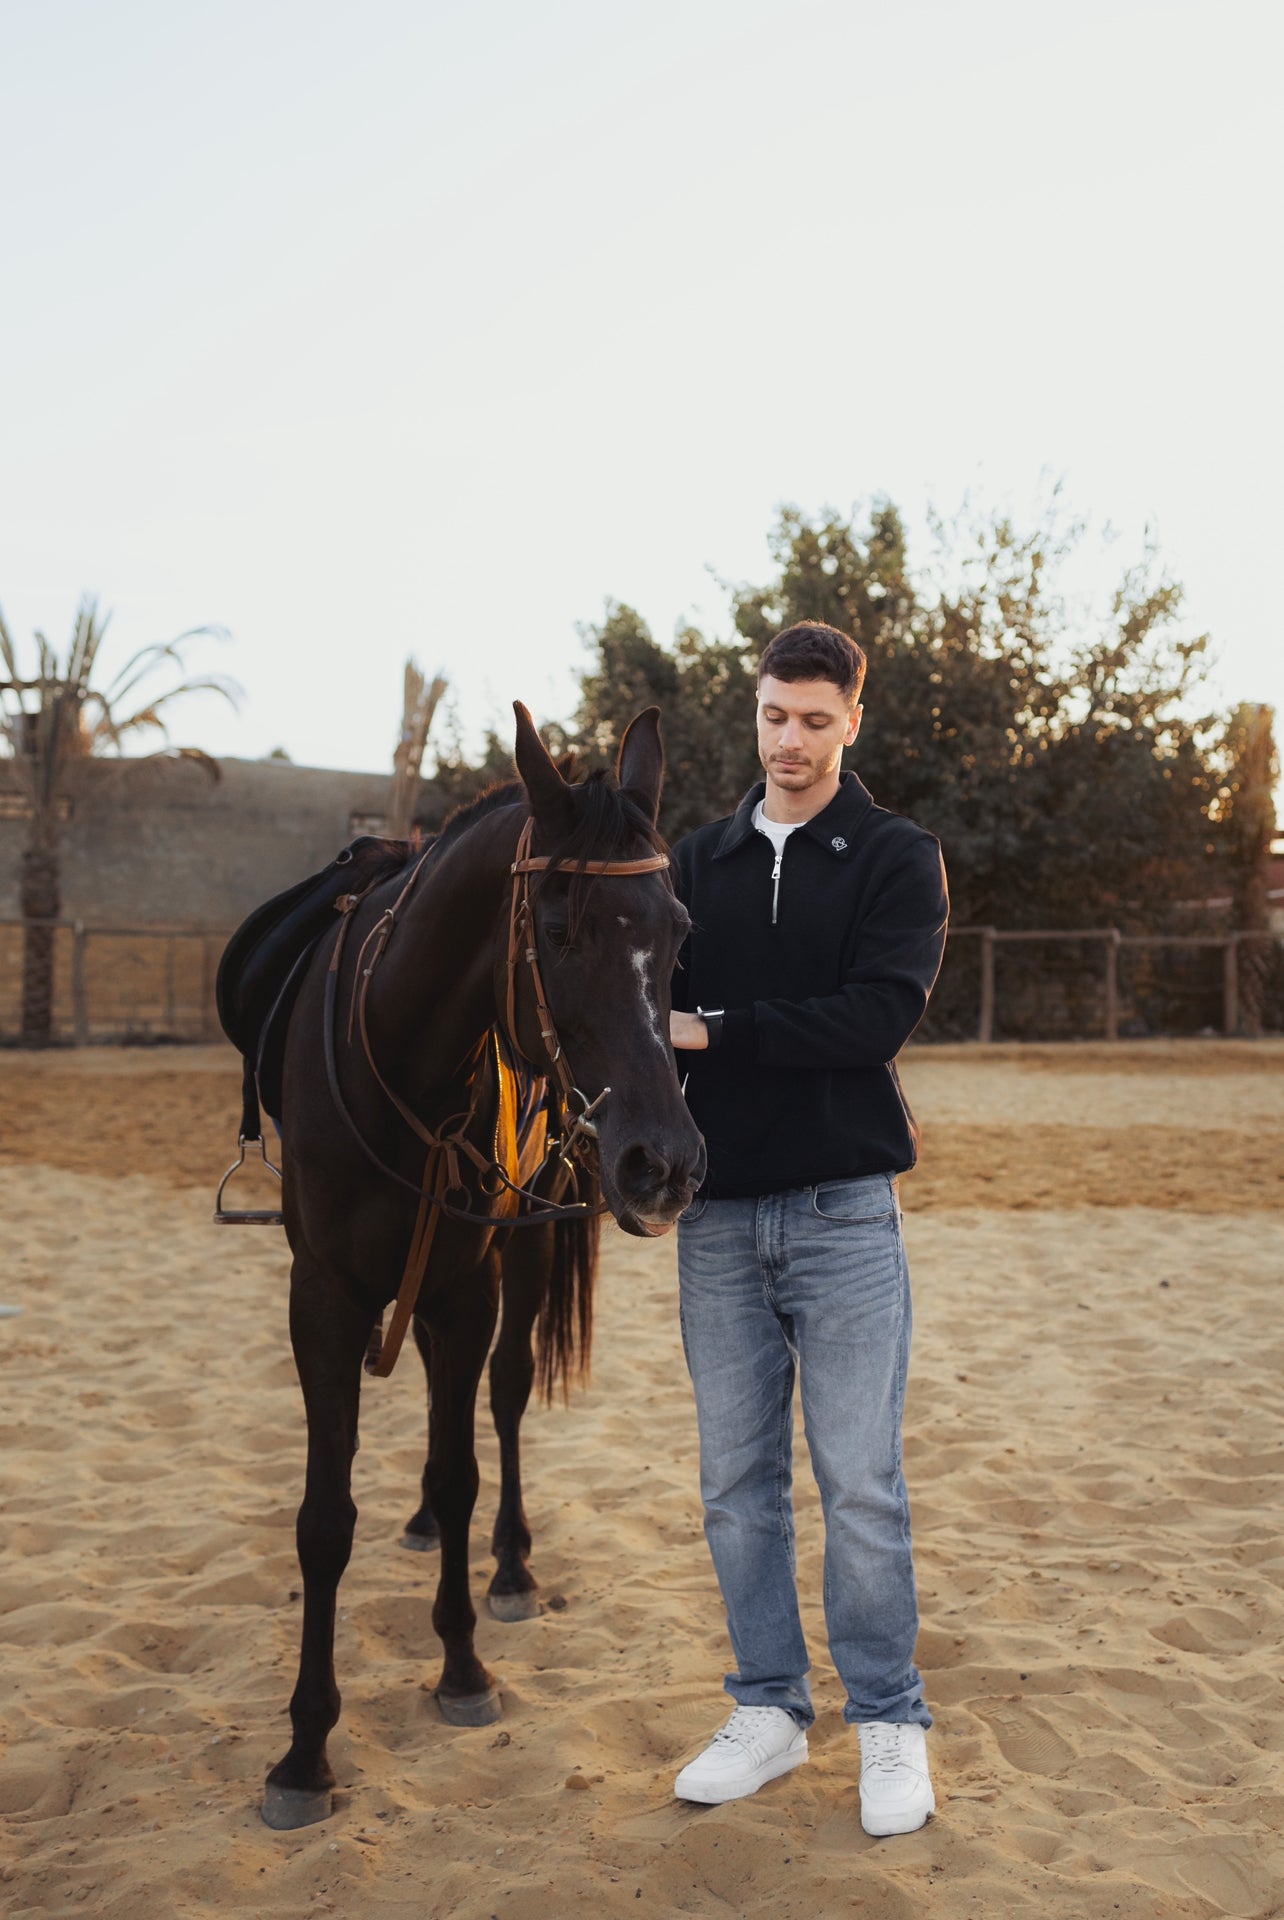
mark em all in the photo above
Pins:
pixel 556 932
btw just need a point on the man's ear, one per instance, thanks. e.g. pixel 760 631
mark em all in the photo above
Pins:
pixel 545 787
pixel 640 767
pixel 854 719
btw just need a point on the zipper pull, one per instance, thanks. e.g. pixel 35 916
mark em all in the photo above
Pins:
pixel 775 884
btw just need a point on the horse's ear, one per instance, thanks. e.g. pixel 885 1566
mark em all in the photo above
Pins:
pixel 544 785
pixel 640 767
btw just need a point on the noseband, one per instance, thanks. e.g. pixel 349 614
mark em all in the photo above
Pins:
pixel 448 1143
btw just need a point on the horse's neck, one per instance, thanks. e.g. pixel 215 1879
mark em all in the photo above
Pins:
pixel 432 993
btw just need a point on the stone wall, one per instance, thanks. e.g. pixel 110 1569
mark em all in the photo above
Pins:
pixel 159 843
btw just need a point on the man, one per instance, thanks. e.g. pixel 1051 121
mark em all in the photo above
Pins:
pixel 818 924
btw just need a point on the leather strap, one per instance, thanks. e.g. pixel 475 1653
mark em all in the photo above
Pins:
pixel 251 1120
pixel 430 1211
pixel 540 863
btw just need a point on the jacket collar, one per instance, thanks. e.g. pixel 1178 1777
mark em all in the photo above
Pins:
pixel 836 828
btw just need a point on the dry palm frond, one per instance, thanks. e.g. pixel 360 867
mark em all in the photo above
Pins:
pixel 60 718
pixel 147 659
pixel 103 726
pixel 419 705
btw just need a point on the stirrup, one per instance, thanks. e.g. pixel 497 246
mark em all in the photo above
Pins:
pixel 246 1216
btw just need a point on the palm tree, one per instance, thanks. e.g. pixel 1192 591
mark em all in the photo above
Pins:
pixel 52 725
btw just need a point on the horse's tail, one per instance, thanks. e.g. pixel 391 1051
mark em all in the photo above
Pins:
pixel 564 1330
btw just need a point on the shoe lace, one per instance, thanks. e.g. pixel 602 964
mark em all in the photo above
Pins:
pixel 745 1724
pixel 881 1746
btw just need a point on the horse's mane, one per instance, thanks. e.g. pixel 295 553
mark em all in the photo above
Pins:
pixel 505 794
pixel 608 823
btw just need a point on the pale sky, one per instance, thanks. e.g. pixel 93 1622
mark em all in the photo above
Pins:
pixel 364 330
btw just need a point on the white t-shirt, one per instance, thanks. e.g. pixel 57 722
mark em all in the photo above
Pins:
pixel 775 832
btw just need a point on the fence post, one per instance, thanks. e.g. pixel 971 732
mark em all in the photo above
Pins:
pixel 985 1028
pixel 207 988
pixel 79 999
pixel 1230 985
pixel 1112 983
pixel 170 988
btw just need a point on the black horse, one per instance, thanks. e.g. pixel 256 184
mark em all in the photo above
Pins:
pixel 396 1045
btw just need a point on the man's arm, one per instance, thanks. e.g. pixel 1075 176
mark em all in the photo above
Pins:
pixel 882 1000
pixel 688 1032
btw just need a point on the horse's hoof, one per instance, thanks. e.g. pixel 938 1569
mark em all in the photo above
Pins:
pixel 285 1808
pixel 515 1606
pixel 419 1543
pixel 470 1709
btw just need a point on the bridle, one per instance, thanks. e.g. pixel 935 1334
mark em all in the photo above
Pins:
pixel 448 1143
pixel 521 946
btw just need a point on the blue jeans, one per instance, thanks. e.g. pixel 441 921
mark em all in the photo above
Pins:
pixel 812 1281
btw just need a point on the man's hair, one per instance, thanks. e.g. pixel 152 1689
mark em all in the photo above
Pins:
pixel 810 651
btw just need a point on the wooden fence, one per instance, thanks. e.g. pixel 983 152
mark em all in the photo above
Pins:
pixel 132 984
pixel 1113 942
pixel 151 984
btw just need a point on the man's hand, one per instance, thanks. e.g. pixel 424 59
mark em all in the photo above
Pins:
pixel 688 1032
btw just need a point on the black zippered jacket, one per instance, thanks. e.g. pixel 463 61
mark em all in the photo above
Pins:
pixel 802 1085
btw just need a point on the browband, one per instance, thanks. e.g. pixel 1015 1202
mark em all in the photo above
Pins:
pixel 540 863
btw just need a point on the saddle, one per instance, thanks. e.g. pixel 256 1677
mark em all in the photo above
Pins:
pixel 263 964
pixel 259 977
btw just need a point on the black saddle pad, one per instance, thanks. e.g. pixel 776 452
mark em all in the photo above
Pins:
pixel 264 961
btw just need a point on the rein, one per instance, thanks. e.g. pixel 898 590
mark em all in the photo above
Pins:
pixel 442 1175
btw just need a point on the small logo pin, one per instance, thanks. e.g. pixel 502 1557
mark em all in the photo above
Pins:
pixel 838 843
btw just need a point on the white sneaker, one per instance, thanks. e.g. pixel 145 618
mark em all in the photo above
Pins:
pixel 895 1786
pixel 756 1745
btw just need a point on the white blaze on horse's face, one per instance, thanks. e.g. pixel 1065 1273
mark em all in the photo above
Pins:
pixel 642 961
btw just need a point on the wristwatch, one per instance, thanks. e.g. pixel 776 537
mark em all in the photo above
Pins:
pixel 712 1017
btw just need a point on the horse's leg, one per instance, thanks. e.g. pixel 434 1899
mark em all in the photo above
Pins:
pixel 462 1324
pixel 421 1533
pixel 527 1262
pixel 328 1330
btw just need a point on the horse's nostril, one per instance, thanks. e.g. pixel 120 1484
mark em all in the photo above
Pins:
pixel 642 1169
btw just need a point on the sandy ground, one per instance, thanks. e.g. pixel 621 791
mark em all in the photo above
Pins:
pixel 1095 1454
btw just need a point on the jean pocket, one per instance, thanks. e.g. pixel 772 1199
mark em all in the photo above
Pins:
pixel 862 1202
pixel 694 1211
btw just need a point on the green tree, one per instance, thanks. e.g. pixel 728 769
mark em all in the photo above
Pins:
pixel 705 690
pixel 830 572
pixel 1058 771
pixel 1121 825
pixel 961 684
pixel 1051 754
pixel 456 779
pixel 54 722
